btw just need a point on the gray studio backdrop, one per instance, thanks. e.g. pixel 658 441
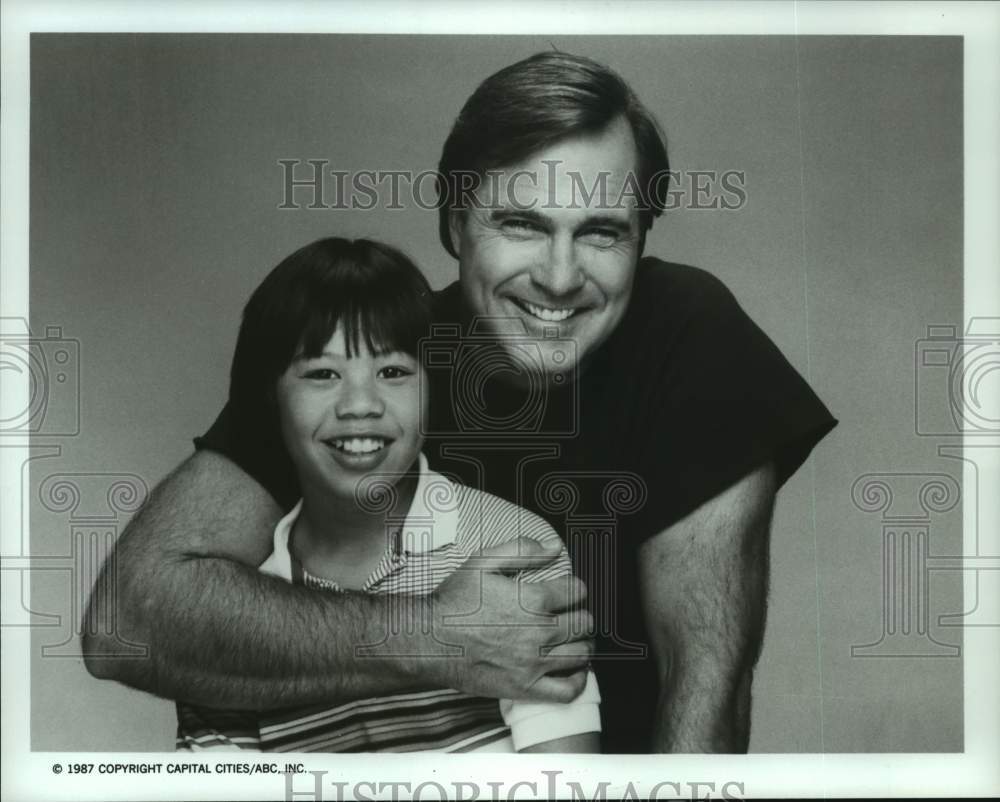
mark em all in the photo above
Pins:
pixel 155 187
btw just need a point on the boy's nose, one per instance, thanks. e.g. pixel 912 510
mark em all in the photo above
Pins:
pixel 360 399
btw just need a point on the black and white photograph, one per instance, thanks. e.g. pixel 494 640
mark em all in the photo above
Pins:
pixel 500 402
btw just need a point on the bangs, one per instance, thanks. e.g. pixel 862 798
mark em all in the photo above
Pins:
pixel 372 291
pixel 380 320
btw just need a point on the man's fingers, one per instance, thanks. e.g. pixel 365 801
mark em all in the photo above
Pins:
pixel 569 656
pixel 555 595
pixel 515 555
pixel 559 689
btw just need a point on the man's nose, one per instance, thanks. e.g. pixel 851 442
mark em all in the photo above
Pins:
pixel 560 274
pixel 359 398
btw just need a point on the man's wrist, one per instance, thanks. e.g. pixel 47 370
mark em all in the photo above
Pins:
pixel 400 632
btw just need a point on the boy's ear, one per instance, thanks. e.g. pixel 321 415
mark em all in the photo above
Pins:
pixel 455 223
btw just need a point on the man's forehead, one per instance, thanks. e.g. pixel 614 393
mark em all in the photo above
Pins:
pixel 600 166
pixel 610 151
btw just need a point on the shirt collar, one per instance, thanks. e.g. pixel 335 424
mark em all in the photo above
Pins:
pixel 432 520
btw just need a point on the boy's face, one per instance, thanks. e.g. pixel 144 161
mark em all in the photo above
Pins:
pixel 342 419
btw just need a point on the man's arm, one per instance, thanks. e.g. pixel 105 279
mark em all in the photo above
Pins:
pixel 183 581
pixel 704 587
pixel 581 743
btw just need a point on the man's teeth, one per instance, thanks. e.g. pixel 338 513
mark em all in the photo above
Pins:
pixel 359 445
pixel 549 315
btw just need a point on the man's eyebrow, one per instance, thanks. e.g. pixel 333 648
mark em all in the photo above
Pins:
pixel 500 215
pixel 605 220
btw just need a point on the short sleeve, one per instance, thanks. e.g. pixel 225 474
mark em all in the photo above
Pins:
pixel 726 401
pixel 261 456
pixel 533 723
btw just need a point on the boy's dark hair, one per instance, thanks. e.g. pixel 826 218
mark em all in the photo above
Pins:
pixel 534 104
pixel 373 291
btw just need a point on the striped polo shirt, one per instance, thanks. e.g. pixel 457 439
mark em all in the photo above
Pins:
pixel 446 523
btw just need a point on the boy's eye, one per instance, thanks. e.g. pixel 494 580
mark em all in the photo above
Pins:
pixel 394 372
pixel 320 374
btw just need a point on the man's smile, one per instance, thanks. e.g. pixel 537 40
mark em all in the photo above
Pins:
pixel 547 313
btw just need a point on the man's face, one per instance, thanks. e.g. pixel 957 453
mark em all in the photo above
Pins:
pixel 553 242
pixel 344 418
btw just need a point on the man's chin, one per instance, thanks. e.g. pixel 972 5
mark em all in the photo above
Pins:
pixel 540 363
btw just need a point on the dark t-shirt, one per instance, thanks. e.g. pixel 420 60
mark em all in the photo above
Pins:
pixel 684 398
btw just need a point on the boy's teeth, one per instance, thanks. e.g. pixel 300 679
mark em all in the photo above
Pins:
pixel 549 315
pixel 359 445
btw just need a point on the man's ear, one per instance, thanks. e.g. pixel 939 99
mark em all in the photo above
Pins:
pixel 455 223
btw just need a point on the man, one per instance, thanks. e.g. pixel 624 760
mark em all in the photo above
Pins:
pixel 629 401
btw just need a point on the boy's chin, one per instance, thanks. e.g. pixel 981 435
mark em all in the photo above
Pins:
pixel 380 491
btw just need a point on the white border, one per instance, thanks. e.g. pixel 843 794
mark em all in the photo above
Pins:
pixel 29 775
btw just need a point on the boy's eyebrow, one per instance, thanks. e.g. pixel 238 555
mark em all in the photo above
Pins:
pixel 301 357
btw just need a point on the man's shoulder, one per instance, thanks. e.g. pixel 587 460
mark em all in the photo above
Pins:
pixel 671 299
pixel 447 303
pixel 658 282
pixel 487 520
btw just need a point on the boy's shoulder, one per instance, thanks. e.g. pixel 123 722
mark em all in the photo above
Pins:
pixel 486 520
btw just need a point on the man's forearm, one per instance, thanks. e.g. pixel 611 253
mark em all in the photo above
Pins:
pixel 267 644
pixel 703 712
pixel 183 584
pixel 704 582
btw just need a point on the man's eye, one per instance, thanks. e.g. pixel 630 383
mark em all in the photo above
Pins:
pixel 394 372
pixel 320 374
pixel 602 237
pixel 519 226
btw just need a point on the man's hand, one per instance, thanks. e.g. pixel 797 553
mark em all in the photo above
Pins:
pixel 518 640
pixel 183 581
pixel 704 588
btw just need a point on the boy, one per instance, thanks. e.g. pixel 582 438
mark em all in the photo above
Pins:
pixel 326 364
